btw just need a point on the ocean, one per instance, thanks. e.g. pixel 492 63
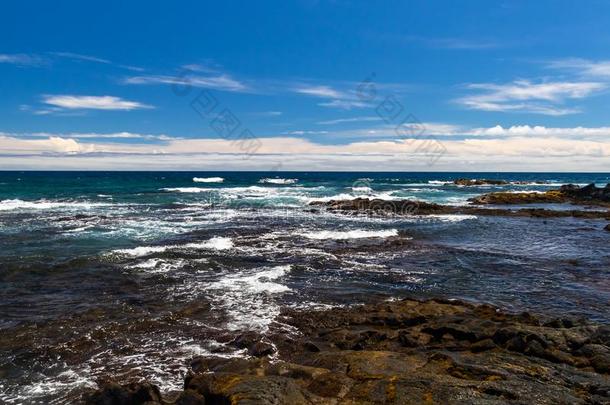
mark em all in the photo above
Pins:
pixel 131 274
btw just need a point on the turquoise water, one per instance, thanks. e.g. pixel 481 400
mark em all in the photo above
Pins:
pixel 132 273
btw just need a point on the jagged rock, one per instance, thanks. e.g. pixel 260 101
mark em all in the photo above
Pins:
pixel 130 394
pixel 479 182
pixel 568 193
pixel 408 352
pixel 410 207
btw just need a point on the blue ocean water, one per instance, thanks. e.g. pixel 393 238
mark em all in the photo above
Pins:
pixel 132 273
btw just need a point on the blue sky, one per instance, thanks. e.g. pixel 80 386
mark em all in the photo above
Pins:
pixel 479 85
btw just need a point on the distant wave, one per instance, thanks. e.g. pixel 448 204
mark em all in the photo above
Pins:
pixel 208 179
pixel 362 189
pixel 186 189
pixel 9 205
pixel 344 196
pixel 355 234
pixel 278 181
pixel 216 243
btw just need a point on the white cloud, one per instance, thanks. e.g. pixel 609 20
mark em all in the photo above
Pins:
pixel 218 82
pixel 21 59
pixel 320 91
pixel 521 153
pixel 584 67
pixel 348 120
pixel 455 43
pixel 303 132
pixel 542 131
pixel 267 113
pixel 525 96
pixel 72 102
pixel 344 104
pixel 336 98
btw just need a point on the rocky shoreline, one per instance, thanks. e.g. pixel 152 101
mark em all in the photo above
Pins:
pixel 410 207
pixel 587 195
pixel 401 352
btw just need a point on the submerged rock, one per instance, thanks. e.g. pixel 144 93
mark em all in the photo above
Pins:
pixel 411 352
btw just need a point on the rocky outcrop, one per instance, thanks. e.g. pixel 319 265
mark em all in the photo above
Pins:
pixel 409 207
pixel 405 352
pixel 479 182
pixel 566 194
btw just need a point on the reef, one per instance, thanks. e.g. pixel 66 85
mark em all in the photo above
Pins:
pixel 411 207
pixel 399 352
pixel 587 195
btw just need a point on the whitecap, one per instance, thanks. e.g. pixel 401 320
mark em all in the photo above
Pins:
pixel 248 299
pixel 278 181
pixel 16 204
pixel 353 234
pixel 186 189
pixel 216 243
pixel 208 179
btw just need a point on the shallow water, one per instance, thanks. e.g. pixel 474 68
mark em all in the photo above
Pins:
pixel 132 274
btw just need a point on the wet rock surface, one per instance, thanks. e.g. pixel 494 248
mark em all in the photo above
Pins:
pixel 479 182
pixel 403 352
pixel 569 193
pixel 410 207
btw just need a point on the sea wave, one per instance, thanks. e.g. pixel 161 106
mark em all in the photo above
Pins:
pixel 16 204
pixel 208 179
pixel 186 189
pixel 278 181
pixel 353 234
pixel 247 298
pixel 216 243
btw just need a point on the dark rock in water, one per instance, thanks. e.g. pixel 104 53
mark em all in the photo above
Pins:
pixel 607 228
pixel 190 397
pixel 407 352
pixel 479 182
pixel 410 207
pixel 568 193
pixel 130 394
pixel 256 346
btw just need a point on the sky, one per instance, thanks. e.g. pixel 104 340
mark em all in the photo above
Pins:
pixel 421 85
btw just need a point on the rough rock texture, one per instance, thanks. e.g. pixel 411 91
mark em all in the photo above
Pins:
pixel 479 182
pixel 409 207
pixel 566 194
pixel 409 352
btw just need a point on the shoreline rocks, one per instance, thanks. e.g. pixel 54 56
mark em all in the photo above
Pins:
pixel 570 193
pixel 410 207
pixel 479 182
pixel 404 352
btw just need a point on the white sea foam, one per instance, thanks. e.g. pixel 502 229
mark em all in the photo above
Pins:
pixel 216 243
pixel 208 179
pixel 354 234
pixel 388 195
pixel 278 181
pixel 248 298
pixel 362 189
pixel 9 205
pixel 186 189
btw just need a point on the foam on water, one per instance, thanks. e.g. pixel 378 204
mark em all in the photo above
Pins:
pixel 278 181
pixel 248 298
pixel 216 243
pixel 208 179
pixel 354 234
pixel 16 204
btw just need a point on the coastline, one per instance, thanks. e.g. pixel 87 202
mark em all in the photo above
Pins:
pixel 405 352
